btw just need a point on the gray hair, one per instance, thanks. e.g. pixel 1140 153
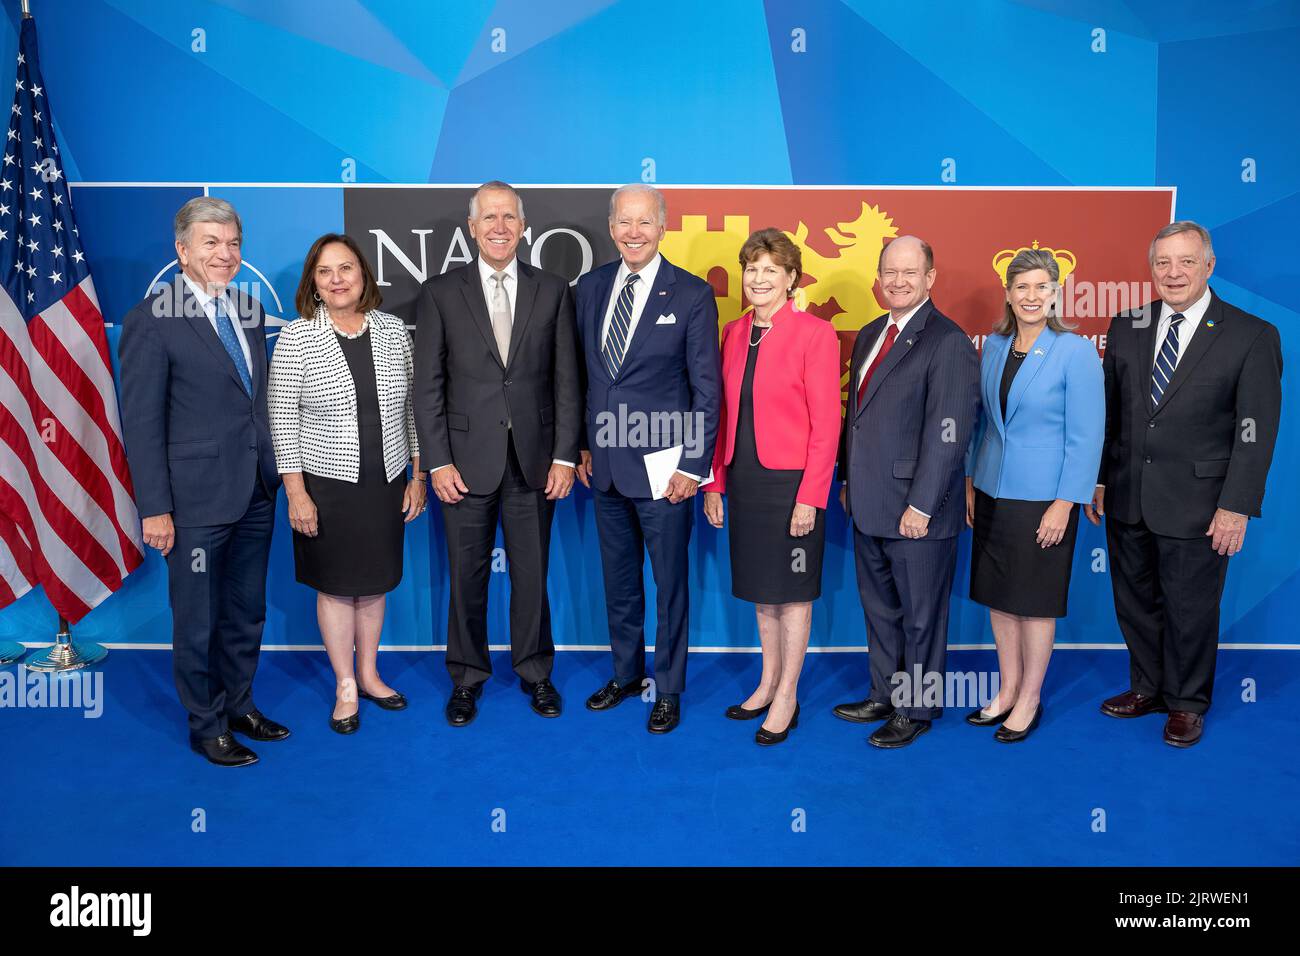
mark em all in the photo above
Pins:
pixel 495 184
pixel 205 209
pixel 1031 260
pixel 644 189
pixel 1177 228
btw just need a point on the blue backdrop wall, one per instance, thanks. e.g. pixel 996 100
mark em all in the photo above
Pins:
pixel 186 95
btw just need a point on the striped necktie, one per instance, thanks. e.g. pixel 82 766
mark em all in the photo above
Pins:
pixel 1166 361
pixel 226 332
pixel 620 324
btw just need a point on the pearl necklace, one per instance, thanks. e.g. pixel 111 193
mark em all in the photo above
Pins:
pixel 365 324
pixel 762 335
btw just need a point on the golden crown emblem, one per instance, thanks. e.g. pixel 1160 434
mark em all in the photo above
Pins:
pixel 1065 260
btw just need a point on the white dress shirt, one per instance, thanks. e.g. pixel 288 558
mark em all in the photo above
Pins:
pixel 640 295
pixel 209 304
pixel 875 350
pixel 511 285
pixel 1192 316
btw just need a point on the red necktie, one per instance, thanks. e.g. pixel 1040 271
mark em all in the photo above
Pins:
pixel 891 333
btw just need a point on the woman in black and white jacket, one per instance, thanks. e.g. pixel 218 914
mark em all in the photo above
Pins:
pixel 343 431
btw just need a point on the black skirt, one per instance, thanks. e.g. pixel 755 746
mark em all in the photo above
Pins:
pixel 357 550
pixel 768 564
pixel 1009 571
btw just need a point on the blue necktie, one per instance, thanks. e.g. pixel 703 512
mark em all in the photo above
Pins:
pixel 1166 361
pixel 226 332
pixel 619 325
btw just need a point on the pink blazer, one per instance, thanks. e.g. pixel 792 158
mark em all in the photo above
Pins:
pixel 796 399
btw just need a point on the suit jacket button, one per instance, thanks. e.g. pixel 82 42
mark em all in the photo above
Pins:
pixel 508 382
pixel 1148 459
pixel 1151 424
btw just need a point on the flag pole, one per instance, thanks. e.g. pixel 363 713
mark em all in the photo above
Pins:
pixel 27 13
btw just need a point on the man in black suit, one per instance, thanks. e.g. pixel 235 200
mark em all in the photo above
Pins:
pixel 497 412
pixel 1193 397
pixel 198 441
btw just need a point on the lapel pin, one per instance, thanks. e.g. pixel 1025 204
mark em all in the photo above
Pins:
pixel 1209 323
pixel 1039 352
pixel 908 342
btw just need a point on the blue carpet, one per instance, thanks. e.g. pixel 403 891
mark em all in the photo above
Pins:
pixel 597 789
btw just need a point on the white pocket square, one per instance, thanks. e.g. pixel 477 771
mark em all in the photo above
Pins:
pixel 669 319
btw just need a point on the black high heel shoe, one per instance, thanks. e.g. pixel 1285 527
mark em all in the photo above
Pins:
pixel 977 717
pixel 737 712
pixel 1004 736
pixel 767 737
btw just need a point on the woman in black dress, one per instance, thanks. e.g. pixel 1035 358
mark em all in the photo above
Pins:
pixel 774 458
pixel 343 430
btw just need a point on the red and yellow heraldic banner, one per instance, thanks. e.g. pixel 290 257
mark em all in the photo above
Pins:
pixel 1100 238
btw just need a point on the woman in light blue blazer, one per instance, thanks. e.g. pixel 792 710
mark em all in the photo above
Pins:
pixel 1033 459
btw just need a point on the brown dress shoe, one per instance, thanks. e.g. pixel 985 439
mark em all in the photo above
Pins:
pixel 1132 704
pixel 1183 728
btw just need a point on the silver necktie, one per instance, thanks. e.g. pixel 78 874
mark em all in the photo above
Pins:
pixel 501 315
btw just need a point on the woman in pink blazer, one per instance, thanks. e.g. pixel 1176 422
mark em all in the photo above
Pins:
pixel 775 457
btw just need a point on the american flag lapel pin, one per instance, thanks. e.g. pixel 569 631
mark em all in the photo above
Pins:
pixel 1039 352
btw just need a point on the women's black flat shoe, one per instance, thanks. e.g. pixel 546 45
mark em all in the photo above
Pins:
pixel 346 725
pixel 737 712
pixel 395 702
pixel 977 717
pixel 767 738
pixel 1004 736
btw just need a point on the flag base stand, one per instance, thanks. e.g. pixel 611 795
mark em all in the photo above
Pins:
pixel 65 654
pixel 10 652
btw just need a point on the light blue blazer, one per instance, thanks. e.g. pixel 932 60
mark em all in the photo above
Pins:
pixel 1049 446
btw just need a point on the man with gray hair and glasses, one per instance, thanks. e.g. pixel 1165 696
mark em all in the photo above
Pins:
pixel 1193 397
pixel 198 441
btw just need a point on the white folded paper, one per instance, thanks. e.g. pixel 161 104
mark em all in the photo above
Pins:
pixel 660 466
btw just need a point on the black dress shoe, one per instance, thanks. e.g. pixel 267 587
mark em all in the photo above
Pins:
pixel 224 751
pixel 546 699
pixel 614 693
pixel 462 708
pixel 863 711
pixel 737 712
pixel 346 725
pixel 394 702
pixel 1004 735
pixel 899 732
pixel 768 737
pixel 977 717
pixel 256 725
pixel 665 716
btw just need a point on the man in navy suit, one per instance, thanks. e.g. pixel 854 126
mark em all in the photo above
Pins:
pixel 654 381
pixel 913 399
pixel 198 441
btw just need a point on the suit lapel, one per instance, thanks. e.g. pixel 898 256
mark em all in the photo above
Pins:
pixel 524 299
pixel 198 320
pixel 1029 369
pixel 907 337
pixel 1196 349
pixel 656 304
pixel 999 352
pixel 1148 351
pixel 862 347
pixel 478 310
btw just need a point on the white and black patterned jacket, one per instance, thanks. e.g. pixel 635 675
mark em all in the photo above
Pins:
pixel 313 400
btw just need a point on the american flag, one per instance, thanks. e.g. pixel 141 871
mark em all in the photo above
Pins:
pixel 67 518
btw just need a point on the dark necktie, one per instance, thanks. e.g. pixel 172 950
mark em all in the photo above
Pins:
pixel 226 332
pixel 619 325
pixel 1166 361
pixel 891 333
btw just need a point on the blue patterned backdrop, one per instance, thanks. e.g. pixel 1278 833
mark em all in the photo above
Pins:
pixel 1040 92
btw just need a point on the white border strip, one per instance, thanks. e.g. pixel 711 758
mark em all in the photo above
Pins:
pixel 847 649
